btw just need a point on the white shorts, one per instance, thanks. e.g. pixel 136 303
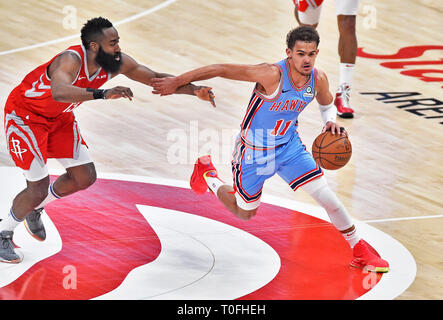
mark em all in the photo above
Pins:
pixel 36 172
pixel 346 7
pixel 342 7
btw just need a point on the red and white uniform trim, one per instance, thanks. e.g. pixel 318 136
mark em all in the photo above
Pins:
pixel 38 127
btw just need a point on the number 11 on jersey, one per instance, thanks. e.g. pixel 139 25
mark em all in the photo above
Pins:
pixel 278 125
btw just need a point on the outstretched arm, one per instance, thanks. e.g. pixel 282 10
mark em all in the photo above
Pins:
pixel 63 71
pixel 140 73
pixel 266 75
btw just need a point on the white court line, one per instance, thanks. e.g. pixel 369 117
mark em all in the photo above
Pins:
pixel 404 218
pixel 75 36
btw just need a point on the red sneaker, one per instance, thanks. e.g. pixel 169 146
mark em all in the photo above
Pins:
pixel 365 259
pixel 202 166
pixel 342 102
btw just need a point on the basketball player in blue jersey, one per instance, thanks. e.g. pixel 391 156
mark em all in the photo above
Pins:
pixel 268 142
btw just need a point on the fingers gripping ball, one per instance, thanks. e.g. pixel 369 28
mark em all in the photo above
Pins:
pixel 331 151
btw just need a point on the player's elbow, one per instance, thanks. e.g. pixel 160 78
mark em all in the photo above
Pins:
pixel 56 94
pixel 57 98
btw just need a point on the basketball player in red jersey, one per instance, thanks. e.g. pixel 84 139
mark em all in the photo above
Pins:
pixel 307 13
pixel 40 124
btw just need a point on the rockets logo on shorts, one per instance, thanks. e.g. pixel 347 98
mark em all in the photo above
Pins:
pixel 16 149
pixel 21 148
pixel 28 141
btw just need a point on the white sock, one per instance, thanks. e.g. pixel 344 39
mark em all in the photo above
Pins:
pixel 351 237
pixel 346 73
pixel 214 183
pixel 49 198
pixel 10 222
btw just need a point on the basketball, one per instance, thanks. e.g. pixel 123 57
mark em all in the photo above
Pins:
pixel 331 151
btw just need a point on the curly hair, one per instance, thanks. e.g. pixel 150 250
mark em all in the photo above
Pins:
pixel 304 33
pixel 92 30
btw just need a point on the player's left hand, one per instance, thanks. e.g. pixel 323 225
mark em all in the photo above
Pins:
pixel 334 128
pixel 205 93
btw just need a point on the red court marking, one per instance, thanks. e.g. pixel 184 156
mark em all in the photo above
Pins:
pixel 105 237
pixel 408 53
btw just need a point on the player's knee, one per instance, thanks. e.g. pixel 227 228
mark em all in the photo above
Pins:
pixel 87 180
pixel 85 183
pixel 85 176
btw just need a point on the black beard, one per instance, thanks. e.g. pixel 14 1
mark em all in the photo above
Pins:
pixel 107 61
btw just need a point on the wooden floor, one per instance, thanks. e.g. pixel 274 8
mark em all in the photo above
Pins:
pixel 395 176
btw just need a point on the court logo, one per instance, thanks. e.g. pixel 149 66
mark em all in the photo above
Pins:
pixel 161 236
pixel 412 102
pixel 433 72
pixel 15 149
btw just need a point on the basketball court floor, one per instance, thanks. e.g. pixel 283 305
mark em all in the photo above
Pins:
pixel 140 233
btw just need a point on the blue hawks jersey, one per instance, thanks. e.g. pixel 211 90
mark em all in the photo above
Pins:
pixel 270 122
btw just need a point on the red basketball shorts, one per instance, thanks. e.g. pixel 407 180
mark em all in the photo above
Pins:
pixel 30 136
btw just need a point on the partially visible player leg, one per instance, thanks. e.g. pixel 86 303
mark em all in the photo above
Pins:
pixel 340 218
pixel 347 50
pixel 227 196
pixel 29 198
pixel 320 191
pixel 301 171
pixel 71 151
pixel 26 136
pixel 22 205
pixel 33 137
pixel 205 176
pixel 80 174
pixel 36 175
pixel 306 14
pixel 75 179
pixel 66 145
pixel 347 46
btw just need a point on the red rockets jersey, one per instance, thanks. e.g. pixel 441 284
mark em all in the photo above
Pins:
pixel 34 92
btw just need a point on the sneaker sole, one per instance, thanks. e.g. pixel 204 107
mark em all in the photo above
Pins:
pixel 377 269
pixel 15 261
pixel 33 234
pixel 346 115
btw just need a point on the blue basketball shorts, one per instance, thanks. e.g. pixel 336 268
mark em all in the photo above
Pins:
pixel 251 167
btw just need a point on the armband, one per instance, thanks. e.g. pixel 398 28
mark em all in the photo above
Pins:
pixel 97 93
pixel 328 113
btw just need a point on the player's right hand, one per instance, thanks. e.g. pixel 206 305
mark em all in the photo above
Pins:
pixel 164 86
pixel 119 92
pixel 334 128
